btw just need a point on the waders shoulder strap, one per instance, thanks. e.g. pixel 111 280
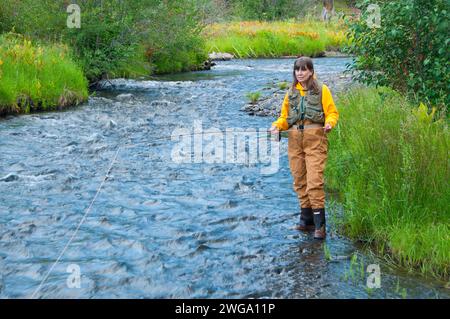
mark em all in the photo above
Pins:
pixel 320 92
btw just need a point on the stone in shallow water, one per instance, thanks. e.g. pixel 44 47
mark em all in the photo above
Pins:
pixel 110 124
pixel 124 97
pixel 9 178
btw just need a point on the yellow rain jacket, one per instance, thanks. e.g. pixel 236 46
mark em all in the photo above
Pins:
pixel 329 109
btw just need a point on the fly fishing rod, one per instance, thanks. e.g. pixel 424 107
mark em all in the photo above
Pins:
pixel 269 134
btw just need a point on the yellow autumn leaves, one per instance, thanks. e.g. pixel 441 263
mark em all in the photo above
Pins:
pixel 23 51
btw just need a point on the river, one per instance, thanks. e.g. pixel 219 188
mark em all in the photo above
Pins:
pixel 156 228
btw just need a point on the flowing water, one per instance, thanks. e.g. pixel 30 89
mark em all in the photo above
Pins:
pixel 161 229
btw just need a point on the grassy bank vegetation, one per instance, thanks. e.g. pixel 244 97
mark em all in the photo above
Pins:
pixel 390 161
pixel 37 77
pixel 254 39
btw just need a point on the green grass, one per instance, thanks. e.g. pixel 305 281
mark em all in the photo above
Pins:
pixel 283 85
pixel 253 97
pixel 327 253
pixel 390 160
pixel 253 39
pixel 37 77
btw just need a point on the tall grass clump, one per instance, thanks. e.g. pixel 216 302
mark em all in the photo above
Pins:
pixel 37 77
pixel 253 39
pixel 391 162
pixel 253 97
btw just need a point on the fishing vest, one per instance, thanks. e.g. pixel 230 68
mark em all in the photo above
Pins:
pixel 305 107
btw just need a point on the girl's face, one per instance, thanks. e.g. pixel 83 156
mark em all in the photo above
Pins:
pixel 303 75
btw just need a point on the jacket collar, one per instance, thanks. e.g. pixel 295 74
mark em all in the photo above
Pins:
pixel 300 87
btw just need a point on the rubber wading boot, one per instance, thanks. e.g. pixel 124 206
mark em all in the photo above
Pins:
pixel 319 223
pixel 306 220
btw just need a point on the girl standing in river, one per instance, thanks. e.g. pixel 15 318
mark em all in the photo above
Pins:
pixel 309 114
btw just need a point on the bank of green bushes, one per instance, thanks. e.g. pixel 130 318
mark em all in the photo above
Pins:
pixel 37 77
pixel 270 10
pixel 408 50
pixel 115 38
pixel 173 36
pixel 390 161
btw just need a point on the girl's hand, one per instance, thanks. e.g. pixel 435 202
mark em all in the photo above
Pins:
pixel 275 134
pixel 273 129
pixel 327 128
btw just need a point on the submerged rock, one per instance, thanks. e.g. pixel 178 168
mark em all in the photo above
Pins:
pixel 99 99
pixel 207 65
pixel 111 124
pixel 125 97
pixel 9 178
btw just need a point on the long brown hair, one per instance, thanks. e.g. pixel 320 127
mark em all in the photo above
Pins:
pixel 305 63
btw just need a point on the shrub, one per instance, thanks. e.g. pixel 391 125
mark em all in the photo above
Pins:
pixel 409 52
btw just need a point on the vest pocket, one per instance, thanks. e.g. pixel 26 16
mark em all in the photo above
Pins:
pixel 294 109
pixel 315 114
pixel 293 116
